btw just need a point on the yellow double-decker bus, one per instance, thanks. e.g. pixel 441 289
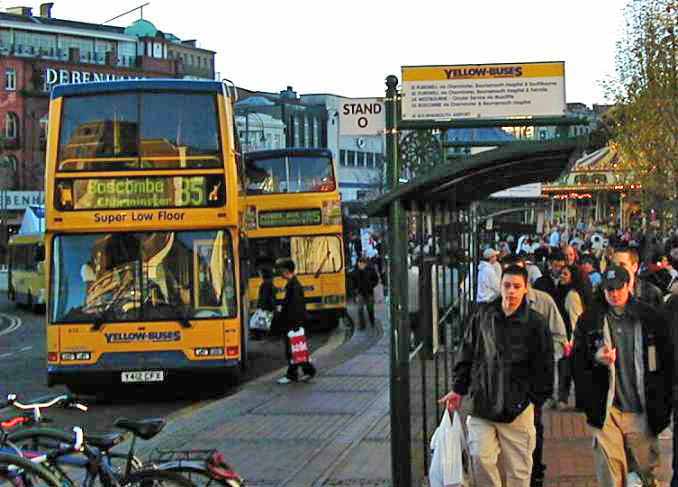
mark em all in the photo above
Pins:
pixel 26 270
pixel 292 209
pixel 142 233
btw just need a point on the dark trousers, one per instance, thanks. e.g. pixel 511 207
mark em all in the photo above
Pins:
pixel 293 369
pixel 366 306
pixel 538 454
pixel 564 378
pixel 674 479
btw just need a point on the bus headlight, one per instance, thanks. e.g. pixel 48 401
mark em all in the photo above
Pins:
pixel 72 356
pixel 333 299
pixel 202 352
pixel 216 351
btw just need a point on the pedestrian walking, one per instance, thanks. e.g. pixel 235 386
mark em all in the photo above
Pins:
pixel 505 367
pixel 543 304
pixel 488 277
pixel 293 317
pixel 363 281
pixel 574 297
pixel 265 299
pixel 623 371
pixel 671 313
pixel 549 282
pixel 643 290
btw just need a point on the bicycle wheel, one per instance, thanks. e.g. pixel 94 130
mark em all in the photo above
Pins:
pixel 156 478
pixel 66 466
pixel 16 471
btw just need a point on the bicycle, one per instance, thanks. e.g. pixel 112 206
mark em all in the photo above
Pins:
pixel 202 467
pixel 59 452
pixel 17 471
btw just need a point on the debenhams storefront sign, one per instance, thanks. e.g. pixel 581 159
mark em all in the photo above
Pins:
pixel 65 76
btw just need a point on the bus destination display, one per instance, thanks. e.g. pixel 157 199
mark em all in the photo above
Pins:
pixel 140 192
pixel 289 218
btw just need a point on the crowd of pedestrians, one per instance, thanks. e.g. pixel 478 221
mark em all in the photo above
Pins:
pixel 580 313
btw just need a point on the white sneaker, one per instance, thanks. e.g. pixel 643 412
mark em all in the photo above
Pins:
pixel 284 380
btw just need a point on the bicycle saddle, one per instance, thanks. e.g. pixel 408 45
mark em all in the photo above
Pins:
pixel 104 441
pixel 144 428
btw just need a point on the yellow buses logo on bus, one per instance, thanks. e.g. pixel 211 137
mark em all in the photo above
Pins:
pixel 142 336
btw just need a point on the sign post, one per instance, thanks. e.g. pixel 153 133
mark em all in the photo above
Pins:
pixel 362 116
pixel 483 91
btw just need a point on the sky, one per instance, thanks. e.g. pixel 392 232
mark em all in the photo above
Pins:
pixel 348 47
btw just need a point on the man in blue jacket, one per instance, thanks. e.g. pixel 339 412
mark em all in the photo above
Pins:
pixel 504 368
pixel 623 366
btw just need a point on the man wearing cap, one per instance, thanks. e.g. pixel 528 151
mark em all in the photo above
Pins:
pixel 623 366
pixel 488 279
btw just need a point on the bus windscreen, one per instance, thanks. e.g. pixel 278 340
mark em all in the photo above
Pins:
pixel 312 254
pixel 299 174
pixel 136 131
pixel 117 277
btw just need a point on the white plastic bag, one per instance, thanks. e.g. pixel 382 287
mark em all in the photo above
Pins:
pixel 446 465
pixel 261 320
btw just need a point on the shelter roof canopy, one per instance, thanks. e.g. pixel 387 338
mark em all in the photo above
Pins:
pixel 480 175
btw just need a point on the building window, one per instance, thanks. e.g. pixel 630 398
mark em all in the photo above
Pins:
pixel 342 157
pixel 10 79
pixel 307 133
pixel 44 121
pixel 11 125
pixel 370 159
pixel 361 159
pixel 297 132
pixel 350 158
pixel 379 160
pixel 8 161
pixel 6 39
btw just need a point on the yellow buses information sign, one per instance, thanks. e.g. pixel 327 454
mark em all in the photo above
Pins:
pixel 483 91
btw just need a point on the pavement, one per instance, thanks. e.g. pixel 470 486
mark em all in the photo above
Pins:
pixel 335 430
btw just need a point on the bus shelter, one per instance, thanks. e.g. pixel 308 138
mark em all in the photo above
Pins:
pixel 433 234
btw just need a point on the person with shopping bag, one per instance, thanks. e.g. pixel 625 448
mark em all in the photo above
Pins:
pixel 363 281
pixel 504 368
pixel 292 317
pixel 262 318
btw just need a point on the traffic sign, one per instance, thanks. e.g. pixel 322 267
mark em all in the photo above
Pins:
pixel 362 116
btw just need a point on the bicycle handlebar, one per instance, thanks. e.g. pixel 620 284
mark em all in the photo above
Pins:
pixel 65 400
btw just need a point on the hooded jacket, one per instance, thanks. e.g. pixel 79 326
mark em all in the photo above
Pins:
pixel 594 382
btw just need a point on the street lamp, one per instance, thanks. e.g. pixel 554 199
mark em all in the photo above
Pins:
pixel 262 138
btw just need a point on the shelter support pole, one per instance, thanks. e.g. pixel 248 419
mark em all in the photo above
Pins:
pixel 400 382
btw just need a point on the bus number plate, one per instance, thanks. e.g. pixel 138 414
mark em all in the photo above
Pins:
pixel 143 376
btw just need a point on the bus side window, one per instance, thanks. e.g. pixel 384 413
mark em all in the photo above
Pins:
pixel 39 253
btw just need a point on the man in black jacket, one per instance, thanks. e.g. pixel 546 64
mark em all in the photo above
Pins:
pixel 505 365
pixel 623 366
pixel 549 281
pixel 671 312
pixel 642 289
pixel 292 317
pixel 363 281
